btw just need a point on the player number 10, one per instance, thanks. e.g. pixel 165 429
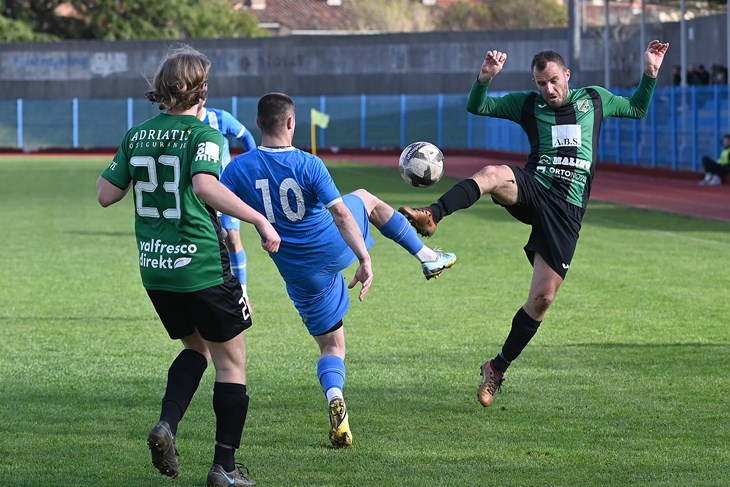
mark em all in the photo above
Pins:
pixel 287 185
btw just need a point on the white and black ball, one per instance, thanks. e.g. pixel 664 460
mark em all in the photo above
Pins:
pixel 421 164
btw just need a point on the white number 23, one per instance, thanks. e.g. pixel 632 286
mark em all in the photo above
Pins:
pixel 151 185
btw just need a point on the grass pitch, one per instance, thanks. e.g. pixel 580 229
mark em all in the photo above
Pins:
pixel 626 382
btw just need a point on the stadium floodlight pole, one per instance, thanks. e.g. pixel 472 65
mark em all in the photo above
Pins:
pixel 574 38
pixel 683 44
pixel 606 45
pixel 642 36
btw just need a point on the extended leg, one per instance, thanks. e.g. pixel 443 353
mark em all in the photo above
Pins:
pixel 499 181
pixel 395 226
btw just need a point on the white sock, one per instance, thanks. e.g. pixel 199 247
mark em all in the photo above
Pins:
pixel 426 254
pixel 332 393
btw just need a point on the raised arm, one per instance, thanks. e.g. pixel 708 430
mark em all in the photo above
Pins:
pixel 638 104
pixel 492 65
pixel 653 57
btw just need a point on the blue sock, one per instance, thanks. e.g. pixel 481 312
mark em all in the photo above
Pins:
pixel 331 372
pixel 238 265
pixel 401 232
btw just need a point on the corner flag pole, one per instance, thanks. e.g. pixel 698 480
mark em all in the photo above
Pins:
pixel 317 119
pixel 314 145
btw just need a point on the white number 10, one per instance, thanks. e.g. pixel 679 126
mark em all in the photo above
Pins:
pixel 287 185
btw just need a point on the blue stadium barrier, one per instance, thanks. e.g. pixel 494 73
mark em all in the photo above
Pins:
pixel 683 124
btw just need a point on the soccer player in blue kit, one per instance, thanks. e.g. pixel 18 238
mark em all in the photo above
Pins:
pixel 227 124
pixel 322 233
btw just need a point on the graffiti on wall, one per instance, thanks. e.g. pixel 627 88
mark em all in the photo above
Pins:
pixel 106 63
pixel 61 65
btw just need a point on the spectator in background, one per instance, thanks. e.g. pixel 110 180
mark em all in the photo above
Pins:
pixel 227 124
pixel 703 75
pixel 719 74
pixel 676 75
pixel 717 169
pixel 693 75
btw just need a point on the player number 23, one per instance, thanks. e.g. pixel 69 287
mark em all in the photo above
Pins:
pixel 150 186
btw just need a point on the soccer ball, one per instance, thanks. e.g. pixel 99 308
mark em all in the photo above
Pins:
pixel 421 164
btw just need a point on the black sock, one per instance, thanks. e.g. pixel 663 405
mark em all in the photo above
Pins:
pixel 230 403
pixel 183 379
pixel 462 195
pixel 523 329
pixel 225 456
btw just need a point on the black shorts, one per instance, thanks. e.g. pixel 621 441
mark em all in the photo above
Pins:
pixel 555 222
pixel 219 313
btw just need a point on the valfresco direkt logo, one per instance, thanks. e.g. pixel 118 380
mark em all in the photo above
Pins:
pixel 157 254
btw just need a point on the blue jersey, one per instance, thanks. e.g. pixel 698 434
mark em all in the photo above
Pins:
pixel 293 189
pixel 227 124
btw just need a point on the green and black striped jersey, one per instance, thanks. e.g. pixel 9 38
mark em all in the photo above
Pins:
pixel 563 141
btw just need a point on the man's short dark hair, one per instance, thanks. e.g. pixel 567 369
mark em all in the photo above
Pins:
pixel 542 58
pixel 273 110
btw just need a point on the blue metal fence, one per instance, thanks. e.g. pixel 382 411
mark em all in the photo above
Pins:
pixel 682 125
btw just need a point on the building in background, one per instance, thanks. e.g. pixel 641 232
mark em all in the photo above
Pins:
pixel 318 17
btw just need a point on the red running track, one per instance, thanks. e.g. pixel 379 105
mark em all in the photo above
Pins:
pixel 655 189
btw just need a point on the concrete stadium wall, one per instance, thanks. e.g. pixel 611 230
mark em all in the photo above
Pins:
pixel 422 63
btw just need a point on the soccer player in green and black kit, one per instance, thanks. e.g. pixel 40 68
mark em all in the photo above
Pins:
pixel 172 163
pixel 551 192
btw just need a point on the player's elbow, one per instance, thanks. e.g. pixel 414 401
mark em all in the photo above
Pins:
pixel 104 201
pixel 640 113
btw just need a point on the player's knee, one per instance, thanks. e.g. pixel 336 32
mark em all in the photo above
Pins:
pixel 364 195
pixel 540 302
pixel 372 202
pixel 487 178
pixel 488 172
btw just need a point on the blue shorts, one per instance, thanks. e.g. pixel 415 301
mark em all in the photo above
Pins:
pixel 230 223
pixel 322 299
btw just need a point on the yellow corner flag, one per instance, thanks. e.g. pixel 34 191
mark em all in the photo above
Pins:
pixel 318 119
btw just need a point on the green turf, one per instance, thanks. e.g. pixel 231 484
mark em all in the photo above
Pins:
pixel 626 384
